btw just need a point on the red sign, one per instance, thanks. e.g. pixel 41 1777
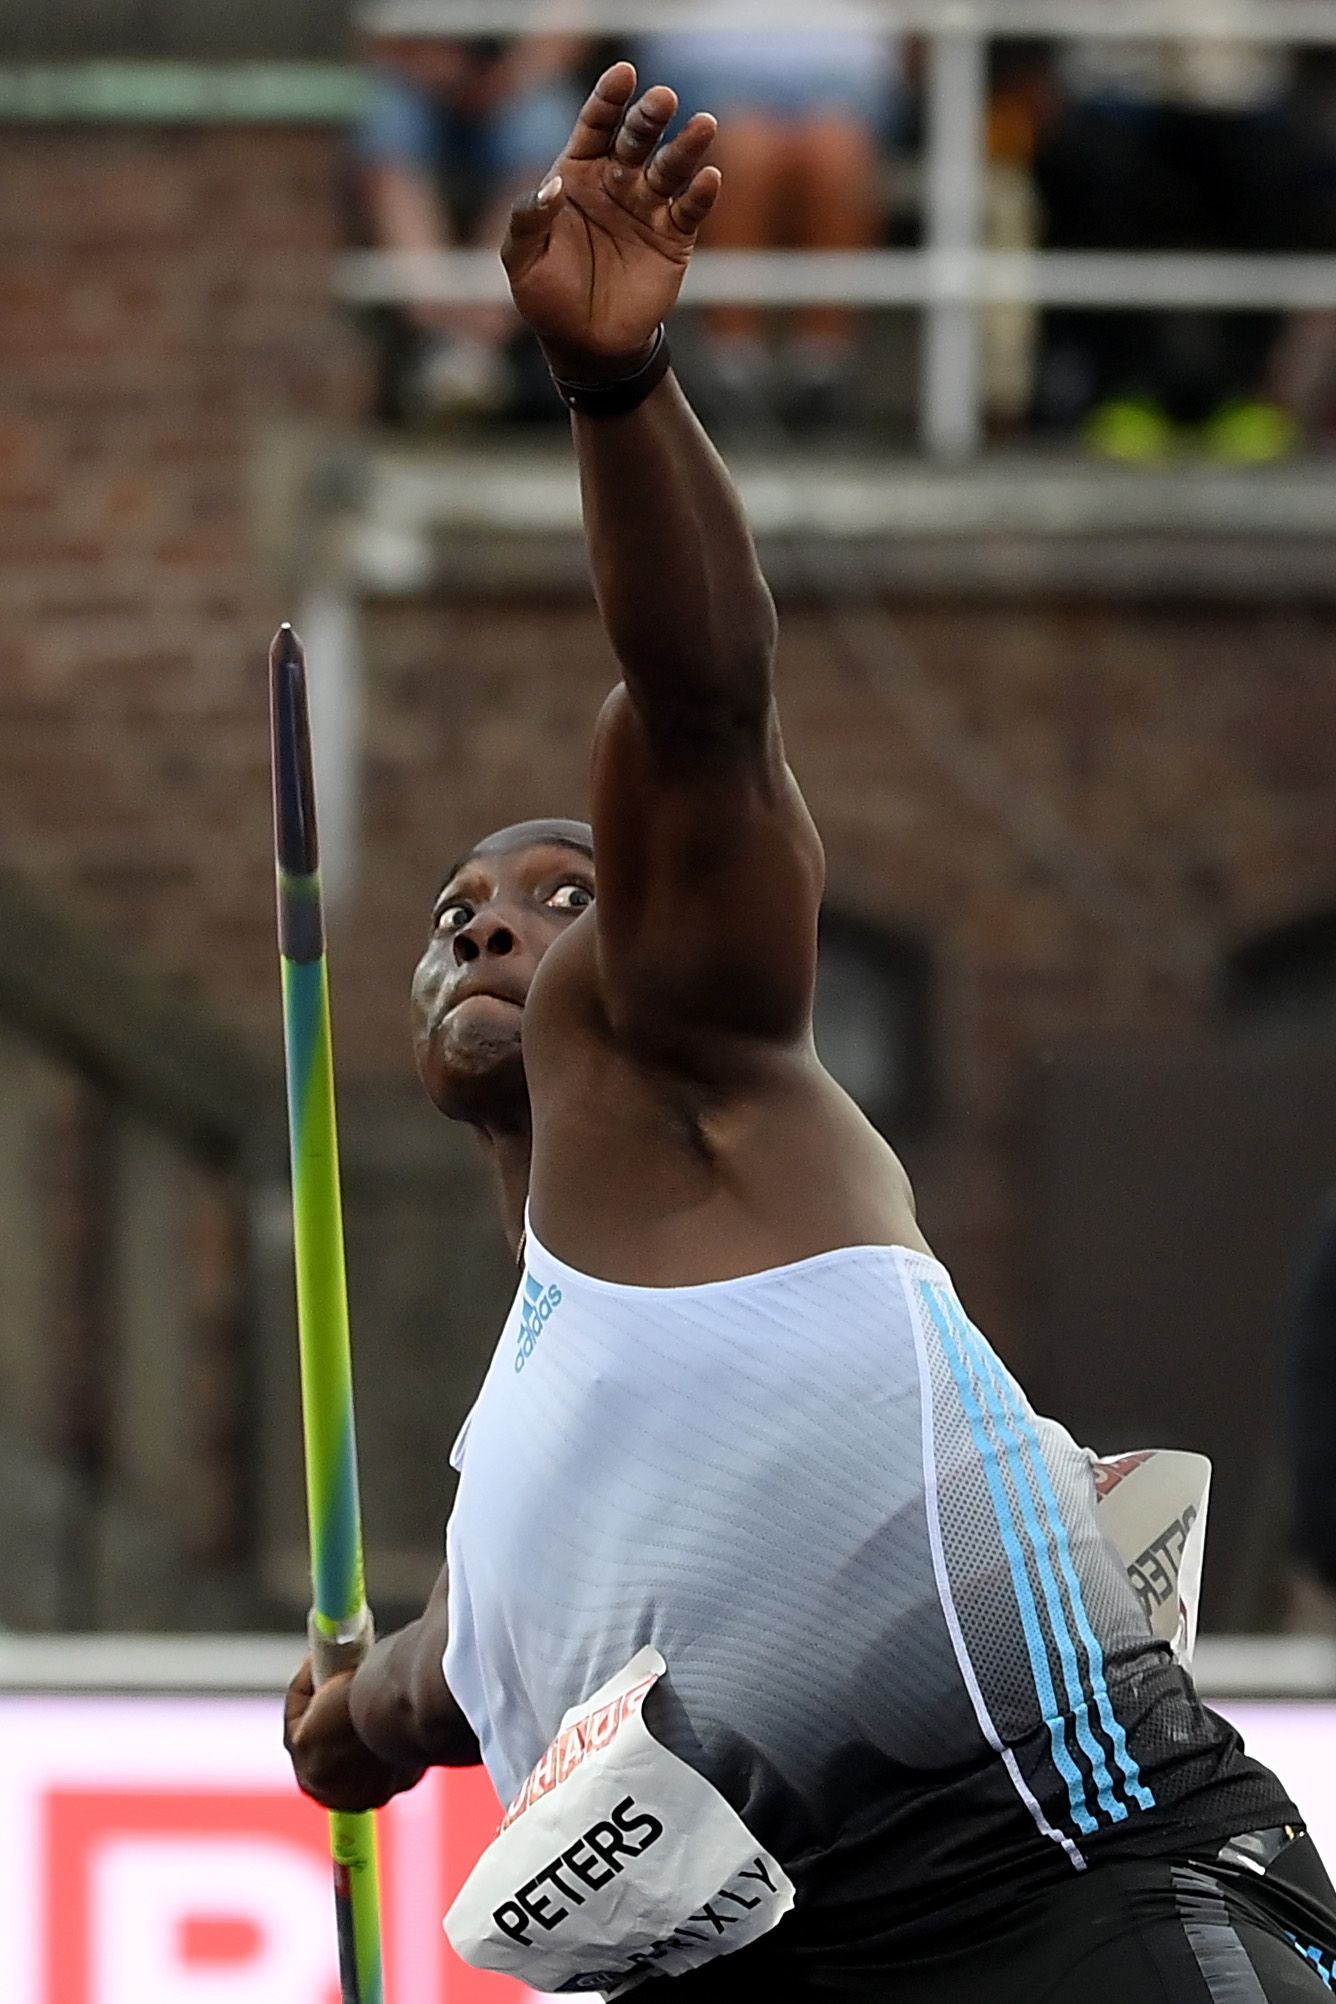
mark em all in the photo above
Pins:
pixel 157 1852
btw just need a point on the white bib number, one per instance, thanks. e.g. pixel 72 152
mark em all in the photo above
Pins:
pixel 616 1861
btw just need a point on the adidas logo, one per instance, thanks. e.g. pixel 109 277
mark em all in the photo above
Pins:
pixel 538 1305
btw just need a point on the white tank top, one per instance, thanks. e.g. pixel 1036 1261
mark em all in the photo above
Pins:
pixel 895 1637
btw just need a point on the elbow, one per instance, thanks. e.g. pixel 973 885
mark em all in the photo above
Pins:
pixel 725 693
pixel 770 624
pixel 718 691
pixel 402 1710
pixel 723 661
pixel 756 644
pixel 382 1717
pixel 750 650
pixel 757 665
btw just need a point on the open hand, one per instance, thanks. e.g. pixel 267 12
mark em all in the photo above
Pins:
pixel 597 257
pixel 329 1760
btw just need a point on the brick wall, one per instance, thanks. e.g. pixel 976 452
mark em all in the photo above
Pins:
pixel 1186 752
pixel 249 30
pixel 165 299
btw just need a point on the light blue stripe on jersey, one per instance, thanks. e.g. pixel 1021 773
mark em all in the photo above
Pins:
pixel 987 1363
pixel 944 1315
pixel 1020 1425
pixel 1323 1961
pixel 1041 1539
pixel 1041 1543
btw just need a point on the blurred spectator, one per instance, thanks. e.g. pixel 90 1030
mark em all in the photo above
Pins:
pixel 453 132
pixel 1173 146
pixel 1019 107
pixel 805 120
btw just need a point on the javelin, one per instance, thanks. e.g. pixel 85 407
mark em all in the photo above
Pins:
pixel 340 1625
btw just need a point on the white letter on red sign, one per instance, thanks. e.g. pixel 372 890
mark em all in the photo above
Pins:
pixel 151 1896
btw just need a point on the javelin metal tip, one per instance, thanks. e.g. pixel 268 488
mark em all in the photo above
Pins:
pixel 286 650
pixel 294 783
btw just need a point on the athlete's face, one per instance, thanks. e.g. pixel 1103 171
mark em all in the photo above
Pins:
pixel 496 916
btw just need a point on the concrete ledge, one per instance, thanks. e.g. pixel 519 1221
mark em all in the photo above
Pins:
pixel 397 518
pixel 1266 1666
pixel 532 489
pixel 1237 1666
pixel 149 1662
pixel 167 93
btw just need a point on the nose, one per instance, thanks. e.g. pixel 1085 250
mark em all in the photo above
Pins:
pixel 483 935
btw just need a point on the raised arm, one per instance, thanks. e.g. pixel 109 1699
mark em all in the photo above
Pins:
pixel 709 867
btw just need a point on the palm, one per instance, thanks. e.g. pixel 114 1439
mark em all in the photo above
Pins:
pixel 609 275
pixel 599 268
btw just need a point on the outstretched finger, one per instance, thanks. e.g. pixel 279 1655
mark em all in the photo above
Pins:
pixel 602 113
pixel 675 166
pixel 644 125
pixel 694 205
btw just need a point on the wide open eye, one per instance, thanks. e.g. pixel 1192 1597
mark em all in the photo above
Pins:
pixel 451 917
pixel 571 898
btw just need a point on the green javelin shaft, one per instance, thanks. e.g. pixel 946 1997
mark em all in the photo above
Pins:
pixel 340 1628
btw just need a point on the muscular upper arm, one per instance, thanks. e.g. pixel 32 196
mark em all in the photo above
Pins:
pixel 710 874
pixel 402 1707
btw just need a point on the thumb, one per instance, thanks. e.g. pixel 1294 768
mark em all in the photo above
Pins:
pixel 295 1706
pixel 531 222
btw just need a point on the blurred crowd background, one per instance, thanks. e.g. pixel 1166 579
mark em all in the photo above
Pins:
pixel 1058 684
pixel 1091 144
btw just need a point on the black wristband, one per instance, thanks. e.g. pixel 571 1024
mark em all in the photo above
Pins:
pixel 626 393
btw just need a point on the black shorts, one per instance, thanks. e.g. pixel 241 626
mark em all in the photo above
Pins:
pixel 1140 1931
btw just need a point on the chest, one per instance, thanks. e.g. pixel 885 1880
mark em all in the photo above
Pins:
pixel 622 1438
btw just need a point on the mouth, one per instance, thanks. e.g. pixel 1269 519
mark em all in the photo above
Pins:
pixel 493 995
pixel 483 995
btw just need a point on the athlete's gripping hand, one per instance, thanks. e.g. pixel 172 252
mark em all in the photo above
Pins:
pixel 597 257
pixel 329 1760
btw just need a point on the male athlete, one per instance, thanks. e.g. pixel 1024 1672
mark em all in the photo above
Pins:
pixel 738 1426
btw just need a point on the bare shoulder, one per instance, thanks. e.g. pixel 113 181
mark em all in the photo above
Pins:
pixel 564 996
pixel 658 1174
pixel 570 1047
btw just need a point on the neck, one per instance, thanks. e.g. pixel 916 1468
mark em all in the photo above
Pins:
pixel 509 1150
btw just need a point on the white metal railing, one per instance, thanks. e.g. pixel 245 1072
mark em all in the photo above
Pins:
pixel 954 276
pixel 903 278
